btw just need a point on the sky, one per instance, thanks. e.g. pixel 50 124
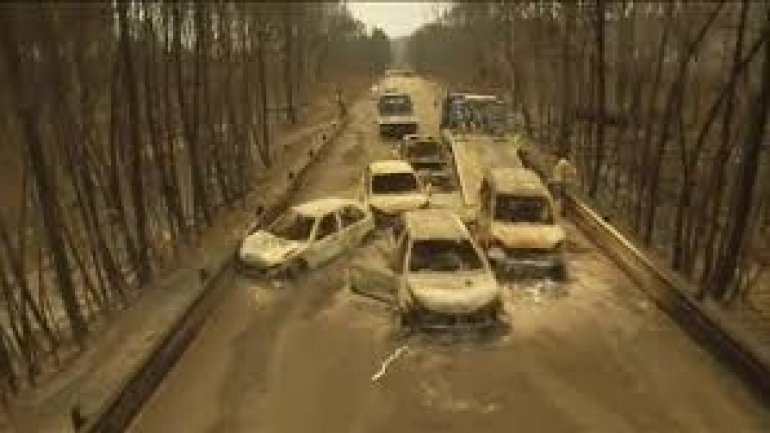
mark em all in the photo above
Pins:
pixel 396 18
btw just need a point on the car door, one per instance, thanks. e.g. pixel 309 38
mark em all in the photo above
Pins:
pixel 327 243
pixel 364 190
pixel 355 225
pixel 486 211
pixel 372 272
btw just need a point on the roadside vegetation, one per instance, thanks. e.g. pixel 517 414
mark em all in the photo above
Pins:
pixel 127 129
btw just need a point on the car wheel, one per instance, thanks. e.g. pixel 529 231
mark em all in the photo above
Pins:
pixel 407 319
pixel 369 236
pixel 498 312
pixel 240 267
pixel 559 272
pixel 295 269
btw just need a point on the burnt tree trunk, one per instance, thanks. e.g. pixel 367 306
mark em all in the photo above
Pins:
pixel 137 188
pixel 725 269
pixel 600 101
pixel 27 113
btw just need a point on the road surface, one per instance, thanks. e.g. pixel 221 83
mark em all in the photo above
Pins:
pixel 590 355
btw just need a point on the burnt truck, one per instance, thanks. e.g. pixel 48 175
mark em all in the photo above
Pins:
pixel 514 218
pixel 396 115
pixel 472 112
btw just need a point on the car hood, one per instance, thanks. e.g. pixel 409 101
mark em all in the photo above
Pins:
pixel 528 235
pixel 453 293
pixel 396 203
pixel 432 159
pixel 398 119
pixel 265 249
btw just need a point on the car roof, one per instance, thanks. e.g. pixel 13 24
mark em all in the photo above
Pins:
pixel 519 181
pixel 434 224
pixel 390 166
pixel 323 206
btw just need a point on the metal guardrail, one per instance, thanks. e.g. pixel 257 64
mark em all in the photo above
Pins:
pixel 669 291
pixel 118 412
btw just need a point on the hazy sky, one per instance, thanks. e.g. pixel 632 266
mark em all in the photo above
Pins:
pixel 394 17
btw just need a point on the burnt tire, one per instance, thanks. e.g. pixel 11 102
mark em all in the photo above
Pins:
pixel 408 319
pixel 369 237
pixel 559 272
pixel 295 269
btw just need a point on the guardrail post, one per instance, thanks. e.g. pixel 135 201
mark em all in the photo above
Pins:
pixel 77 418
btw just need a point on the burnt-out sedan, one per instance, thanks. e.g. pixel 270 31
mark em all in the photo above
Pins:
pixel 306 236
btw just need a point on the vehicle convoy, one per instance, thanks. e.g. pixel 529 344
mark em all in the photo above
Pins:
pixel 396 115
pixel 517 223
pixel 444 278
pixel 306 236
pixel 391 187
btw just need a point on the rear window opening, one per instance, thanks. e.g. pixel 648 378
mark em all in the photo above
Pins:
pixel 423 149
pixel 394 183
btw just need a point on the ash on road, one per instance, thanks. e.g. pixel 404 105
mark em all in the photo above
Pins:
pixel 590 355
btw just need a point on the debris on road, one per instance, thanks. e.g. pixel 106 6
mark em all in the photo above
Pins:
pixel 385 364
pixel 539 291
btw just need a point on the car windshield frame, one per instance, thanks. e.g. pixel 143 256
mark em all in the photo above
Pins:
pixel 440 180
pixel 525 212
pixel 377 183
pixel 294 226
pixel 444 256
pixel 423 149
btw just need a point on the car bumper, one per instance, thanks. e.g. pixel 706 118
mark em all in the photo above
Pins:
pixel 512 263
pixel 257 269
pixel 425 319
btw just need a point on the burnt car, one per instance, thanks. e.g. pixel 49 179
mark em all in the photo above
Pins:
pixel 444 278
pixel 391 187
pixel 434 164
pixel 396 115
pixel 517 224
pixel 437 276
pixel 306 236
pixel 428 156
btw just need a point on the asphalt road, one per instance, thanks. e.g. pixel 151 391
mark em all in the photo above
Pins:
pixel 590 355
